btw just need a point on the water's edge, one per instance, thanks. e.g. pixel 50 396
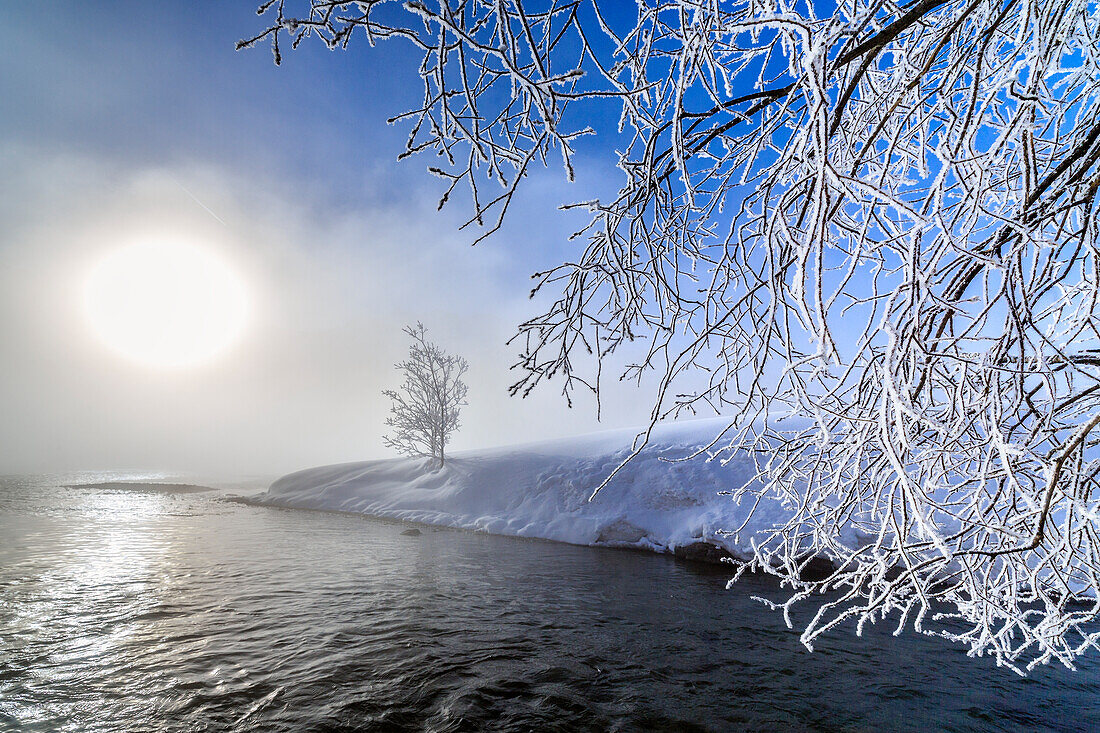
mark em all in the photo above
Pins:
pixel 700 551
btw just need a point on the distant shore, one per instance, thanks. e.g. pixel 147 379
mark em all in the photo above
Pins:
pixel 147 486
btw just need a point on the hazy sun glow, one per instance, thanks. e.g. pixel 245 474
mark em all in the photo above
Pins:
pixel 165 303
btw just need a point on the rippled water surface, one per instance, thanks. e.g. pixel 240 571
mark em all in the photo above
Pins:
pixel 129 611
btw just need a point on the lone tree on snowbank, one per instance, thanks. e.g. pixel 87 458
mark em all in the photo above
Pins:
pixel 425 409
pixel 879 217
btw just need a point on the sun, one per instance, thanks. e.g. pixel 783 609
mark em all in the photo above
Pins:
pixel 165 303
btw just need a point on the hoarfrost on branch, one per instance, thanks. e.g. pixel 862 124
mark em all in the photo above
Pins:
pixel 876 219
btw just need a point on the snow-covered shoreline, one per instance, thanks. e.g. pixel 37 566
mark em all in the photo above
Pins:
pixel 541 490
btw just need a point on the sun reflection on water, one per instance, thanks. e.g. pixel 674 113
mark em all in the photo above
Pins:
pixel 80 604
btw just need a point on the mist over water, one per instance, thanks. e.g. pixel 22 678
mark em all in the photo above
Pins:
pixel 156 611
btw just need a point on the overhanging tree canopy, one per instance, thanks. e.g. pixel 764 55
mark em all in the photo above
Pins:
pixel 879 218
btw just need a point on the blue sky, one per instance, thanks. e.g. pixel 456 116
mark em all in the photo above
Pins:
pixel 121 119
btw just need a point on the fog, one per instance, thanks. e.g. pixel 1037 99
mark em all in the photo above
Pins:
pixel 149 124
pixel 328 297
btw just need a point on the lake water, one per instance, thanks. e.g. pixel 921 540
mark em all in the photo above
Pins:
pixel 124 611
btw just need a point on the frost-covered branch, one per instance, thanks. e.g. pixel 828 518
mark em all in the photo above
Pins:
pixel 866 231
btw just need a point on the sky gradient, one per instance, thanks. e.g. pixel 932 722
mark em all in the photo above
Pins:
pixel 127 120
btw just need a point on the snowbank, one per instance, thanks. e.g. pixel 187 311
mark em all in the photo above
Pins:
pixel 541 490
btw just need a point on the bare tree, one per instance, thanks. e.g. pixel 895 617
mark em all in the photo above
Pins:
pixel 879 218
pixel 424 414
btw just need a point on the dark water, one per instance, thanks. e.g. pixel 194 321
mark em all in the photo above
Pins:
pixel 123 611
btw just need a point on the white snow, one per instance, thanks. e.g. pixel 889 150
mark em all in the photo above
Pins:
pixel 542 490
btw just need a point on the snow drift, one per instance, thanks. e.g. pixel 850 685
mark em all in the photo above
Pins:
pixel 542 490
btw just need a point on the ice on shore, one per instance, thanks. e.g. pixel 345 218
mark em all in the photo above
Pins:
pixel 542 490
